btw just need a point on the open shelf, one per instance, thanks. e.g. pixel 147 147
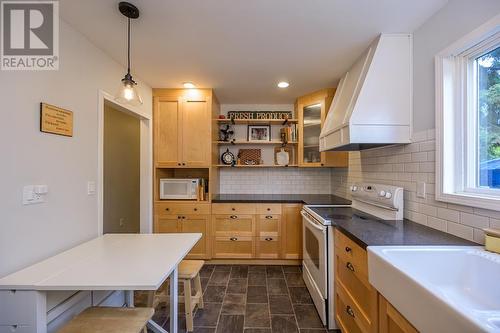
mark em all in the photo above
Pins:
pixel 256 166
pixel 257 121
pixel 240 142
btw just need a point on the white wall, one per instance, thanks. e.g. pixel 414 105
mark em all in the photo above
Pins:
pixel 69 217
pixel 453 21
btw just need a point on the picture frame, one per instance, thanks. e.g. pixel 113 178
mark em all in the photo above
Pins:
pixel 259 133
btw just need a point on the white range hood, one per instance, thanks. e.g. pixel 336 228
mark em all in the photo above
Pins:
pixel 373 103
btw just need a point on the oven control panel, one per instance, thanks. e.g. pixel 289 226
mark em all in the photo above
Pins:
pixel 373 197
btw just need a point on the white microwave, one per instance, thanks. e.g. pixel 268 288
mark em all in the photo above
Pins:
pixel 179 188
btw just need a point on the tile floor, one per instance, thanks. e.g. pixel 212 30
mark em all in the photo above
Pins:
pixel 249 299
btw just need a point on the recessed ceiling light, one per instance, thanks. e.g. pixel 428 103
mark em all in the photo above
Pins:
pixel 189 85
pixel 283 84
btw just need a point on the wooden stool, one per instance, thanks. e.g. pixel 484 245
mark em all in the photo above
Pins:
pixel 187 271
pixel 109 320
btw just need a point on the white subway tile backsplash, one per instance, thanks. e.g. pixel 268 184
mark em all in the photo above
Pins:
pixel 461 230
pixel 475 221
pixel 436 223
pixel 448 214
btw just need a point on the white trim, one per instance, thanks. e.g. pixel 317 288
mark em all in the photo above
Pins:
pixel 451 70
pixel 146 156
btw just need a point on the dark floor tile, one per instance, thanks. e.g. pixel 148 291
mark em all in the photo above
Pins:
pixel 237 286
pixel 239 271
pixel 257 268
pixel 256 279
pixel 181 325
pixel 222 268
pixel 277 287
pixel 206 270
pixel 300 295
pixel 284 324
pixel 208 316
pixel 274 272
pixel 219 278
pixel 204 283
pixel 234 304
pixel 257 330
pixel 294 280
pixel 257 294
pixel 230 323
pixel 214 294
pixel 317 330
pixel 257 315
pixel 307 316
pixel 291 269
pixel 280 304
pixel 204 330
pixel 161 314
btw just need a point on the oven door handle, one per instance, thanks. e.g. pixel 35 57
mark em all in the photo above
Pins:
pixel 309 221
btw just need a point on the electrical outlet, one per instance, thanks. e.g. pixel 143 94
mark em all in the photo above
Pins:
pixel 421 190
pixel 33 194
pixel 90 187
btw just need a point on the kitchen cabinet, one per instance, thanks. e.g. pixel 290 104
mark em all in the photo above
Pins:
pixel 291 231
pixel 311 111
pixel 186 218
pixel 182 128
pixel 356 301
pixel 391 321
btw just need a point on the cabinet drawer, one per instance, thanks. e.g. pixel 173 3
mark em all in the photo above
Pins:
pixel 269 209
pixel 167 208
pixel 230 208
pixel 349 312
pixel 268 247
pixel 234 247
pixel 351 252
pixel 269 225
pixel 167 224
pixel 231 225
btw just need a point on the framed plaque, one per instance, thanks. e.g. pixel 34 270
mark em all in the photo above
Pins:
pixel 55 120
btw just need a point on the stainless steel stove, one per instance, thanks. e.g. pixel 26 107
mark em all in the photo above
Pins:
pixel 369 201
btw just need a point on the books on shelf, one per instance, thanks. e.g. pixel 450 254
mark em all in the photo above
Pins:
pixel 289 133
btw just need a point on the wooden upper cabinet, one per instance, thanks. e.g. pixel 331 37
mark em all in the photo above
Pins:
pixel 182 128
pixel 168 140
pixel 311 112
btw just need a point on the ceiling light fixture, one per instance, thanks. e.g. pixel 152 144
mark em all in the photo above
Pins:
pixel 283 84
pixel 189 85
pixel 128 94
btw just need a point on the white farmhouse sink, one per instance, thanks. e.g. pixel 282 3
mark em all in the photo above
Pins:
pixel 440 288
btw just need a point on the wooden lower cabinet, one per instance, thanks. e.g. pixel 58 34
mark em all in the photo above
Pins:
pixel 201 224
pixel 291 231
pixel 268 247
pixel 391 321
pixel 233 247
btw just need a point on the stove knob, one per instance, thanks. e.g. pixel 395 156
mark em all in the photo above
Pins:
pixel 388 195
pixel 354 188
pixel 382 193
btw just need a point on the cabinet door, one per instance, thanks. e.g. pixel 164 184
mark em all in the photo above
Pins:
pixel 236 247
pixel 391 321
pixel 167 224
pixel 196 138
pixel 291 231
pixel 233 225
pixel 310 120
pixel 194 224
pixel 167 134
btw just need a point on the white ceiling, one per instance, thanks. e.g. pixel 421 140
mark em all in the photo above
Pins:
pixel 242 48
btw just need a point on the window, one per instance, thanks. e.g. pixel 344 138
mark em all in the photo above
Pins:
pixel 468 119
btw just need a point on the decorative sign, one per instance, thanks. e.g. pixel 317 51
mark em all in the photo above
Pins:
pixel 55 120
pixel 259 114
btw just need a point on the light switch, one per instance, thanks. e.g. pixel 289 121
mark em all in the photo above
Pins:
pixel 33 194
pixel 91 187
pixel 421 190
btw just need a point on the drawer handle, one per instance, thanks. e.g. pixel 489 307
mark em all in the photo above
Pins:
pixel 233 209
pixel 268 239
pixel 233 217
pixel 350 266
pixel 269 217
pixel 268 209
pixel 232 239
pixel 349 311
pixel 348 249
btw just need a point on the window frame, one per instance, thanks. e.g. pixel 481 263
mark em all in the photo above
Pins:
pixel 456 119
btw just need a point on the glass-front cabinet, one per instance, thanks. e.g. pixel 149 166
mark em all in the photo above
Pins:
pixel 311 111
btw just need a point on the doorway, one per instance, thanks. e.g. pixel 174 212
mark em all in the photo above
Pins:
pixel 124 168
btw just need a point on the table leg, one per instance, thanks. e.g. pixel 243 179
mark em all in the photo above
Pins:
pixel 129 298
pixel 173 301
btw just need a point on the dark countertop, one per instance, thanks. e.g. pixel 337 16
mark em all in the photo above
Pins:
pixel 308 199
pixel 379 232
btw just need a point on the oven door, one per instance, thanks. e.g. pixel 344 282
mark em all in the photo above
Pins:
pixel 314 252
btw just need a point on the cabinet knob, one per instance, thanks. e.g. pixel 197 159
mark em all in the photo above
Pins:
pixel 178 217
pixel 322 164
pixel 268 209
pixel 269 217
pixel 349 311
pixel 183 163
pixel 233 217
pixel 350 266
pixel 268 239
pixel 196 209
pixel 348 249
pixel 167 209
pixel 233 209
pixel 232 239
pixel 178 164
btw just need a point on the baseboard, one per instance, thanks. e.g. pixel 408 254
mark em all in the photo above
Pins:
pixel 287 262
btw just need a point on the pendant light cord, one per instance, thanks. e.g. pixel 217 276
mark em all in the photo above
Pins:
pixel 128 47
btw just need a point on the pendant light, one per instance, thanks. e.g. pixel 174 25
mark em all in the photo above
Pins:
pixel 128 93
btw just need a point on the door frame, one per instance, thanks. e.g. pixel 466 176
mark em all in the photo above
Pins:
pixel 146 162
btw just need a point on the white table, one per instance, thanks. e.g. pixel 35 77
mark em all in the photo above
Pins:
pixel 125 262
